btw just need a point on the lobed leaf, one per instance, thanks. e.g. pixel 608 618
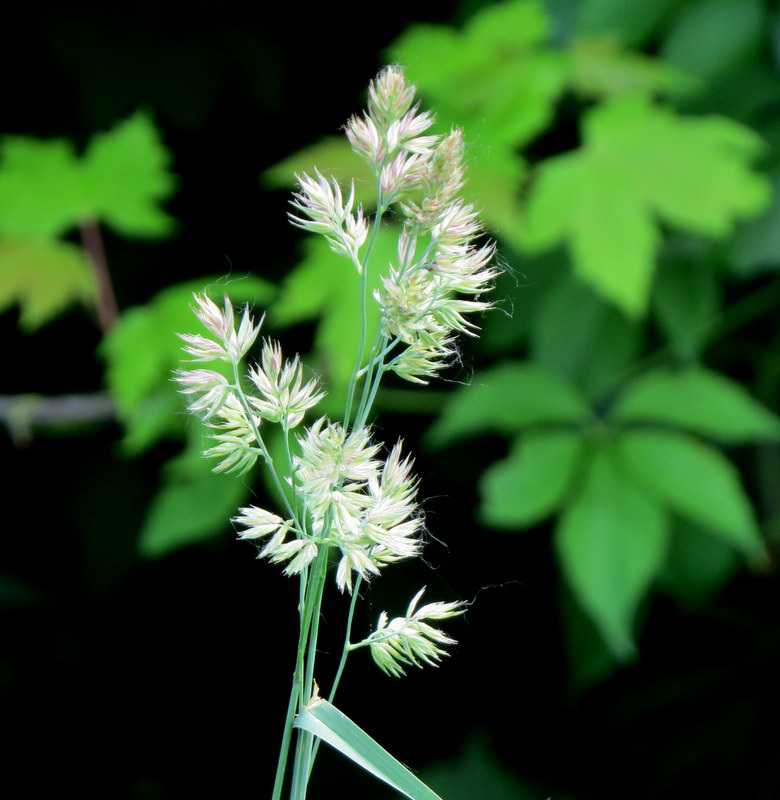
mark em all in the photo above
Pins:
pixel 127 175
pixel 44 277
pixel 123 176
pixel 641 162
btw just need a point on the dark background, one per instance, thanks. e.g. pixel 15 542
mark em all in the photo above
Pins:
pixel 124 678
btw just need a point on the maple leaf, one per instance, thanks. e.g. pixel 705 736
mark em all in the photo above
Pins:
pixel 640 164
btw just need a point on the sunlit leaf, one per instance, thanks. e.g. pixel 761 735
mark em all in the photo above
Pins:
pixel 41 191
pixel 127 175
pixel 44 277
pixel 611 543
pixel 699 400
pixel 528 485
pixel 696 481
pixel 121 180
pixel 506 399
pixel 641 163
pixel 492 78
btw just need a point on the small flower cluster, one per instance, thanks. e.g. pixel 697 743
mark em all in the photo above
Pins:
pixel 370 506
pixel 217 400
pixel 329 215
pixel 410 639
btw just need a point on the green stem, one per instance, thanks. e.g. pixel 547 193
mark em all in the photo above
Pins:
pixel 363 291
pixel 342 663
pixel 295 692
pixel 313 602
pixel 261 444
pixel 361 420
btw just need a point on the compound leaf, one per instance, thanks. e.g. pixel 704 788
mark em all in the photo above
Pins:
pixel 505 399
pixel 528 485
pixel 696 481
pixel 611 543
pixel 699 400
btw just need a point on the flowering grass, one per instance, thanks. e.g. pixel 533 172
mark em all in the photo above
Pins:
pixel 353 509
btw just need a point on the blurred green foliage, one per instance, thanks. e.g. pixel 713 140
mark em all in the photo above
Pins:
pixel 630 192
pixel 620 443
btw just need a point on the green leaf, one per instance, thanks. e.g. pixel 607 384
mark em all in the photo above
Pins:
pixel 492 78
pixel 641 161
pixel 633 22
pixel 697 564
pixel 570 324
pixel 686 298
pixel 44 278
pixel 325 721
pixel 600 67
pixel 712 36
pixel 590 659
pixel 40 186
pixel 142 350
pixel 192 505
pixel 696 481
pixel 494 176
pixel 757 243
pixel 506 399
pixel 611 543
pixel 528 485
pixel 126 177
pixel 45 189
pixel 699 400
pixel 325 286
pixel 332 156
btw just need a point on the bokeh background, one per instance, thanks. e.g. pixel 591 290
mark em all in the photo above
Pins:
pixel 600 473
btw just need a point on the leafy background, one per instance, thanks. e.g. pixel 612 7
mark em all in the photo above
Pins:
pixel 602 472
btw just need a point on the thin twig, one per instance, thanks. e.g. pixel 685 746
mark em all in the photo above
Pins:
pixel 92 241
